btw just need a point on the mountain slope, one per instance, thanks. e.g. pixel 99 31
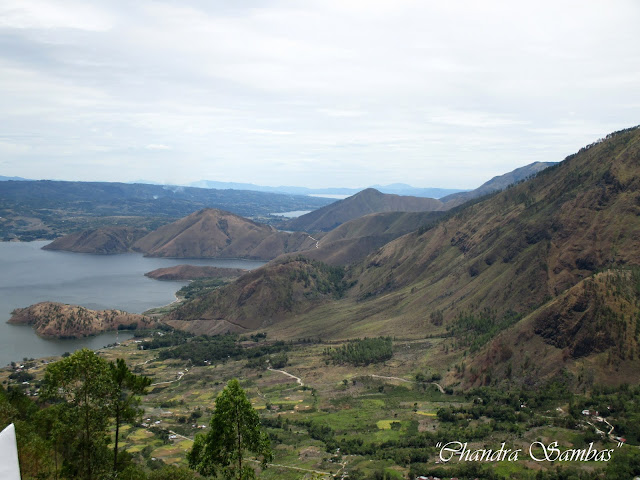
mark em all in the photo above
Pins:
pixel 354 240
pixel 105 241
pixel 212 233
pixel 497 183
pixel 363 203
pixel 531 241
pixel 591 331
pixel 263 296
pixel 488 266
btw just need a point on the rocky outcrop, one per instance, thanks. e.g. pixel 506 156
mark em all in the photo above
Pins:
pixel 58 320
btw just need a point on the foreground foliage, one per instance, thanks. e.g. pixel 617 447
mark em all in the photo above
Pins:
pixel 235 430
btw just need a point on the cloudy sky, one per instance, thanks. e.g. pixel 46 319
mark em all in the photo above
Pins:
pixel 310 93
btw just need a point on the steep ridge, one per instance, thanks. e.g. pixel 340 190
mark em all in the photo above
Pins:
pixel 590 331
pixel 531 241
pixel 370 201
pixel 363 203
pixel 497 183
pixel 214 233
pixel 105 241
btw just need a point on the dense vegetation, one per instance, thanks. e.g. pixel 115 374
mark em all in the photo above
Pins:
pixel 473 330
pixel 67 435
pixel 362 351
pixel 199 287
pixel 328 279
pixel 205 350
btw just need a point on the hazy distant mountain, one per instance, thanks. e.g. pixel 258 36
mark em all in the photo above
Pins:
pixel 395 188
pixel 404 189
pixel 15 179
pixel 363 203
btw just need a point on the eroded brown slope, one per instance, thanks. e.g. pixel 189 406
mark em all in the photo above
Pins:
pixel 523 245
pixel 354 240
pixel 591 332
pixel 212 233
pixel 104 241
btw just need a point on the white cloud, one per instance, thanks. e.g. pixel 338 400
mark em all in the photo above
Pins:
pixel 157 146
pixel 38 14
pixel 318 93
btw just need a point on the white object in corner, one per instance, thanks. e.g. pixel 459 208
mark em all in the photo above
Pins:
pixel 9 466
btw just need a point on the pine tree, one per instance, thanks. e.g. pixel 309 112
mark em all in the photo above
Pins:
pixel 235 431
pixel 126 386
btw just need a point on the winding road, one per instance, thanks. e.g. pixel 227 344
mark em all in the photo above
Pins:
pixel 298 379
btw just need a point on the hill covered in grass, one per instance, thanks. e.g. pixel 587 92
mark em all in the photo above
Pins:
pixel 212 233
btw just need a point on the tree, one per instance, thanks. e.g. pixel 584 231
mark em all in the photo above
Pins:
pixel 124 400
pixel 83 383
pixel 234 431
pixel 624 463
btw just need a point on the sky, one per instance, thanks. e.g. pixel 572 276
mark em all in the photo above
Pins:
pixel 310 93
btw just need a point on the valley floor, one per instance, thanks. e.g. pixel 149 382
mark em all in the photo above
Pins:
pixel 329 421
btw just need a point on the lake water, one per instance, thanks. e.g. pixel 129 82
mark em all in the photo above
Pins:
pixel 292 214
pixel 30 275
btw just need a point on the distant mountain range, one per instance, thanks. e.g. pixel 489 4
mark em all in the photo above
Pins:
pixel 445 194
pixel 363 203
pixel 373 201
pixel 15 179
pixel 356 226
pixel 395 188
pixel 31 209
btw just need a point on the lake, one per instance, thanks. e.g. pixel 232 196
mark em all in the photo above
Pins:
pixel 292 214
pixel 30 275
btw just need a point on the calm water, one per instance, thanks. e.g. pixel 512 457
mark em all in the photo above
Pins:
pixel 292 214
pixel 29 275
